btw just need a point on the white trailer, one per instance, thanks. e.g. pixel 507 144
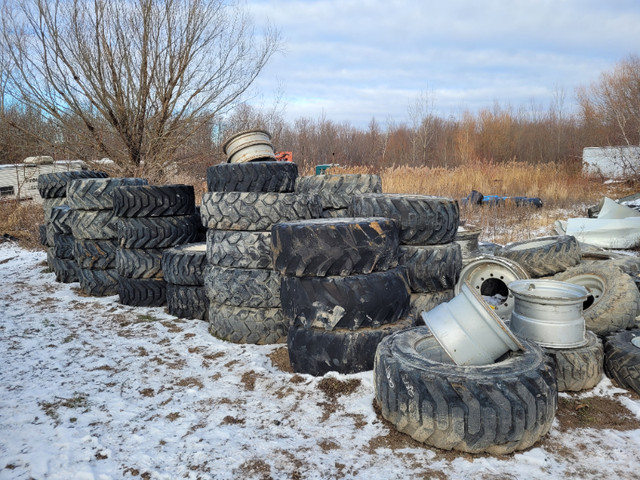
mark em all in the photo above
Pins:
pixel 612 162
pixel 20 181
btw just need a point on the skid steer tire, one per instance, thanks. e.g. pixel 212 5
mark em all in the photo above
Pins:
pixel 498 408
pixel 259 326
pixel 316 351
pixel 137 263
pixel 544 256
pixel 239 249
pixel 578 368
pixel 352 302
pixel 142 292
pixel 48 204
pixel 154 200
pixel 61 219
pixel 96 193
pixel 94 224
pixel 187 301
pixel 336 191
pixel 65 269
pixel 54 185
pixel 95 254
pixel 423 302
pixel 423 220
pixel 622 358
pixel 63 246
pixel 432 268
pixel 326 247
pixel 98 283
pixel 185 264
pixel 335 213
pixel 267 176
pixel 242 287
pixel 614 299
pixel 255 211
pixel 157 232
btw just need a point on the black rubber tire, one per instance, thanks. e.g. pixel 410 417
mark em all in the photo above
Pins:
pixel 424 220
pixel 96 193
pixel 335 213
pixel 65 269
pixel 142 292
pixel 498 408
pixel 54 185
pixel 336 191
pixel 423 302
pixel 61 219
pixel 42 235
pixel 63 246
pixel 98 283
pixel 239 249
pixel 185 264
pixel 432 268
pixel 187 301
pixel 578 368
pixel 154 200
pixel 50 234
pixel 94 224
pixel 137 263
pixel 622 359
pixel 95 254
pixel 242 287
pixel 259 326
pixel 157 232
pixel 316 351
pixel 255 211
pixel 252 177
pixel 49 203
pixel 544 256
pixel 352 302
pixel 614 302
pixel 324 247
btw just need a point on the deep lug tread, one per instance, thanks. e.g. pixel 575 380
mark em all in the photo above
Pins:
pixel 139 263
pixel 98 283
pixel 157 232
pixel 432 268
pixel 336 191
pixel 187 301
pixel 54 185
pixel 242 287
pixel 239 249
pixel 252 177
pixel 95 254
pixel 142 292
pixel 96 193
pixel 153 200
pixel 260 326
pixel 185 264
pixel 545 255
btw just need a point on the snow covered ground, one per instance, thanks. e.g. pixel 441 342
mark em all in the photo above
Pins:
pixel 91 389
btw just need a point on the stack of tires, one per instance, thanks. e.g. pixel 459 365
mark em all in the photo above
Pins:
pixel 342 291
pixel 60 254
pixel 336 191
pixel 243 202
pixel 152 218
pixel 95 230
pixel 428 226
pixel 53 189
pixel 183 268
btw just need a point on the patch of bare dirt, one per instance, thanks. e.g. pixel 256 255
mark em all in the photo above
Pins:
pixel 229 420
pixel 334 388
pixel 249 380
pixel 594 412
pixel 280 359
pixel 253 468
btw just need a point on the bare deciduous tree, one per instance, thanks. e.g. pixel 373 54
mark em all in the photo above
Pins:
pixel 132 80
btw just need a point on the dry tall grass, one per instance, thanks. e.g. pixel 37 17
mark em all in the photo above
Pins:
pixel 21 220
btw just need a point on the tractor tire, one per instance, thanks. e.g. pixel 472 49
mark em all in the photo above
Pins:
pixel 142 292
pixel 262 177
pixel 154 200
pixel 316 351
pixel 42 235
pixel 48 205
pixel 97 193
pixel 65 269
pixel 94 224
pixel 578 368
pixel 614 299
pixel 335 213
pixel 138 263
pixel 242 287
pixel 61 219
pixel 259 326
pixel 544 256
pixel 423 302
pixel 622 358
pixel 497 409
pixel 352 302
pixel 187 301
pixel 95 254
pixel 185 264
pixel 432 268
pixel 98 283
pixel 157 232
pixel 326 247
pixel 239 249
pixel 63 246
pixel 255 211
pixel 424 220
pixel 336 191
pixel 54 185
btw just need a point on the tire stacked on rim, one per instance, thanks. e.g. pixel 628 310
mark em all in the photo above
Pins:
pixel 53 190
pixel 95 230
pixel 243 202
pixel 60 255
pixel 336 191
pixel 342 291
pixel 428 227
pixel 152 219
pixel 183 268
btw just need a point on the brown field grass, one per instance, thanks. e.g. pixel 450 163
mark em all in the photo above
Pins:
pixel 20 220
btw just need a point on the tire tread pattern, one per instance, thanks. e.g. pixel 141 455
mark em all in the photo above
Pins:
pixel 545 255
pixel 252 177
pixel 259 326
pixel 185 264
pixel 154 200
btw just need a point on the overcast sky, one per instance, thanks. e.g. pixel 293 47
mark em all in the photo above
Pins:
pixel 352 60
